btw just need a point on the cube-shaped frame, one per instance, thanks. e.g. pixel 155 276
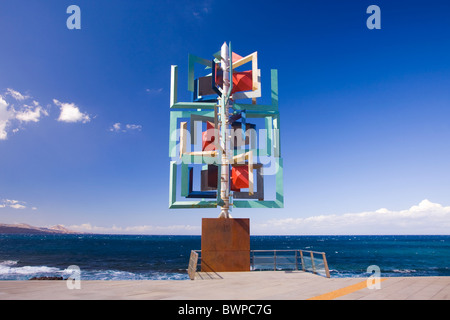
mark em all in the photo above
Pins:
pixel 259 194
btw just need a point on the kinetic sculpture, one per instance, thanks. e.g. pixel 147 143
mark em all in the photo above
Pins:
pixel 222 161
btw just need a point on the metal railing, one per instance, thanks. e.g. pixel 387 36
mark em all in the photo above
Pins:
pixel 306 260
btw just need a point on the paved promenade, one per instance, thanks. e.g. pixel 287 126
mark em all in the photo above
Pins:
pixel 264 285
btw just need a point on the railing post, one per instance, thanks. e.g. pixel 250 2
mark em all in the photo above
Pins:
pixel 274 260
pixel 296 262
pixel 327 271
pixel 303 262
pixel 312 262
pixel 253 260
pixel 192 268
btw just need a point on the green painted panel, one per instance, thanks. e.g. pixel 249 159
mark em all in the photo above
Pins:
pixel 274 87
pixel 173 183
pixel 256 204
pixel 184 179
pixel 254 107
pixel 194 105
pixel 191 62
pixel 268 122
pixel 173 85
pixel 193 204
pixel 279 189
pixel 276 136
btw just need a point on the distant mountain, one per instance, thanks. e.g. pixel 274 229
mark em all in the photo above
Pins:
pixel 27 229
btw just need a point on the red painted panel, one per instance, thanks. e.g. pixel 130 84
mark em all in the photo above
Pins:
pixel 239 177
pixel 208 137
pixel 242 81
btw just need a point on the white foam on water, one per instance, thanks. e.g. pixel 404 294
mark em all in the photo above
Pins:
pixel 404 271
pixel 8 263
pixel 9 271
pixel 125 275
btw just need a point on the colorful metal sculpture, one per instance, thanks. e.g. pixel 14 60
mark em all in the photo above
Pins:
pixel 230 144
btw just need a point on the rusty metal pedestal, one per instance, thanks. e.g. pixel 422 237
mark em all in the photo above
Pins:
pixel 225 245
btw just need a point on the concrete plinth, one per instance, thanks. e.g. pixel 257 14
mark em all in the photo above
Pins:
pixel 225 245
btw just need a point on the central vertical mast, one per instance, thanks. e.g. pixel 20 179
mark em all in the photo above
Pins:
pixel 225 171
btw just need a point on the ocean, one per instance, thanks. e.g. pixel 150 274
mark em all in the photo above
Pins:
pixel 145 257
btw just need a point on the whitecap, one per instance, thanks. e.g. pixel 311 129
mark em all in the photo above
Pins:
pixel 404 271
pixel 8 263
pixel 27 270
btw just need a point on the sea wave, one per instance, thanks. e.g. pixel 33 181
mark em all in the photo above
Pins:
pixel 126 275
pixel 404 271
pixel 10 271
pixel 8 262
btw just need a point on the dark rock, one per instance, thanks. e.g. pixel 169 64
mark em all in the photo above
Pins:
pixel 47 278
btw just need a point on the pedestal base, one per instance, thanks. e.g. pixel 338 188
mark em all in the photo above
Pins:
pixel 225 245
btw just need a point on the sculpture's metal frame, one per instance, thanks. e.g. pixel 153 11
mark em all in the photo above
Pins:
pixel 228 143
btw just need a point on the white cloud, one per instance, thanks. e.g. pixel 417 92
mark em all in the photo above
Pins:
pixel 15 204
pixel 133 127
pixel 71 113
pixel 17 109
pixel 173 229
pixel 117 127
pixel 30 113
pixel 87 227
pixel 16 94
pixel 5 116
pixel 145 229
pixel 425 218
pixel 154 91
pixel 201 8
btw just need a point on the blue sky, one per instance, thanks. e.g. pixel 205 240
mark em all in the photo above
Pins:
pixel 84 114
